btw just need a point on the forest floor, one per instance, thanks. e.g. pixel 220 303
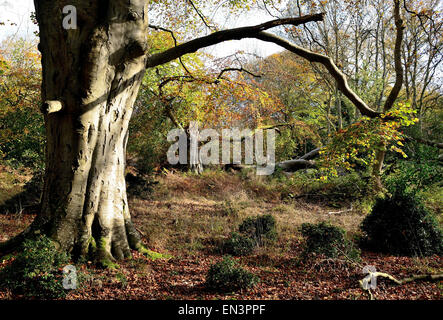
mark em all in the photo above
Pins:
pixel 187 218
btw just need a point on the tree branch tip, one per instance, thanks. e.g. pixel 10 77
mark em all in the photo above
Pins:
pixel 52 106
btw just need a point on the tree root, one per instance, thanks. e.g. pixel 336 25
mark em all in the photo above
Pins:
pixel 14 243
pixel 151 254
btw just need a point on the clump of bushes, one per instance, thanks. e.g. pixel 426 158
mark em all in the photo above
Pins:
pixel 238 245
pixel 328 240
pixel 419 172
pixel 261 228
pixel 401 224
pixel 253 231
pixel 228 276
pixel 35 270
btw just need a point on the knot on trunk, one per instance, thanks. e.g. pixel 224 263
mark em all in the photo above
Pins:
pixel 52 106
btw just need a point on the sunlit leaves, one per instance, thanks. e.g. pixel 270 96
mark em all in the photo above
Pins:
pixel 21 124
pixel 357 145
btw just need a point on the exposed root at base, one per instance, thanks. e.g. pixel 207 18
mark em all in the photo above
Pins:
pixel 13 244
pixel 151 254
pixel 106 263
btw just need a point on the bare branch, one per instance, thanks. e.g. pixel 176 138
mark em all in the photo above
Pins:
pixel 241 69
pixel 326 61
pixel 225 35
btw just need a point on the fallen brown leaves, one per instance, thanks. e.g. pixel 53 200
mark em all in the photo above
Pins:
pixel 182 278
pixel 189 226
pixel 281 277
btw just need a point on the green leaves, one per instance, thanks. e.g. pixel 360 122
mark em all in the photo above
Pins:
pixel 227 276
pixel 21 123
pixel 35 271
pixel 357 145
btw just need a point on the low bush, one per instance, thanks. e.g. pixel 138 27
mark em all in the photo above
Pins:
pixel 328 240
pixel 261 228
pixel 227 276
pixel 238 245
pixel 401 224
pixel 35 270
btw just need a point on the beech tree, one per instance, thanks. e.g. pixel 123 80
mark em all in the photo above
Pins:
pixel 91 77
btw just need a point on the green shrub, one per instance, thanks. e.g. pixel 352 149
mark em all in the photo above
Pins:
pixel 326 239
pixel 227 276
pixel 401 224
pixel 35 270
pixel 238 245
pixel 260 228
pixel 414 176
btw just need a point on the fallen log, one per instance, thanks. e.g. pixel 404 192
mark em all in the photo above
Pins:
pixel 297 164
pixel 311 155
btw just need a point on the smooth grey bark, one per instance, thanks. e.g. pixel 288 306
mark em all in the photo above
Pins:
pixel 91 77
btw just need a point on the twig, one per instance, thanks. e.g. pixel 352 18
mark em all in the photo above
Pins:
pixel 142 233
pixel 202 17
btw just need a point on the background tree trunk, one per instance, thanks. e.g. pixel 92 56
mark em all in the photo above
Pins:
pixel 377 168
pixel 91 77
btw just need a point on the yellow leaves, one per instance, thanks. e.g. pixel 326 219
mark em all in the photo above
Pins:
pixel 358 143
pixel 398 150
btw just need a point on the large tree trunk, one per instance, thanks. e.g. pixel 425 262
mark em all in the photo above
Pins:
pixel 91 77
